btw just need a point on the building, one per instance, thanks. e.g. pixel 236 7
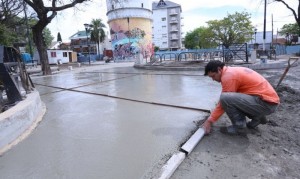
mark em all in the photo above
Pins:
pixel 81 43
pixel 130 25
pixel 167 25
pixel 257 37
pixel 57 56
pixel 61 56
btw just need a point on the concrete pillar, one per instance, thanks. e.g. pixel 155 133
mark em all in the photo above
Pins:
pixel 253 56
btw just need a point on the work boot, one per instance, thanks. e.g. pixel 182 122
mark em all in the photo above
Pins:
pixel 240 124
pixel 232 130
pixel 255 122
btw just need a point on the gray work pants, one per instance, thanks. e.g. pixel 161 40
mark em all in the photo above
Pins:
pixel 237 106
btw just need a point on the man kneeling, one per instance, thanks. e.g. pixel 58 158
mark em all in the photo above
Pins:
pixel 245 93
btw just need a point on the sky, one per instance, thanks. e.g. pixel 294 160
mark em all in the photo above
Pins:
pixel 195 12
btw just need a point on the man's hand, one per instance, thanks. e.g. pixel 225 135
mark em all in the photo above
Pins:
pixel 207 126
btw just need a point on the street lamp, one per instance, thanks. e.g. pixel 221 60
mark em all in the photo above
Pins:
pixel 287 38
pixel 88 28
pixel 255 31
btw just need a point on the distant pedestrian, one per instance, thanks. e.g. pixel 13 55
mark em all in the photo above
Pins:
pixel 245 93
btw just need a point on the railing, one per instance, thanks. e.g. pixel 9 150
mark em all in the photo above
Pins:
pixel 235 52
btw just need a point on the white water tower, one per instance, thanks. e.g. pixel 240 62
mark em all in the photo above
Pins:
pixel 130 23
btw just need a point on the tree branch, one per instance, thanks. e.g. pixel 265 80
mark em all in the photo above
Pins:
pixel 60 8
pixel 293 11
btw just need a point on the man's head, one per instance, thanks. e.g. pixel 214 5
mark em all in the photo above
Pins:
pixel 214 69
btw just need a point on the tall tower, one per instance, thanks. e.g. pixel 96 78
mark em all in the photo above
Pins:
pixel 130 23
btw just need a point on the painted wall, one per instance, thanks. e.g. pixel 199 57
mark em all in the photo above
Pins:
pixel 131 38
pixel 130 23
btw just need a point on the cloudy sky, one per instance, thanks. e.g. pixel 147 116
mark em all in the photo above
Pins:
pixel 196 13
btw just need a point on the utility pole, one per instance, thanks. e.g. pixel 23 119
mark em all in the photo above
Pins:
pixel 272 33
pixel 27 30
pixel 264 33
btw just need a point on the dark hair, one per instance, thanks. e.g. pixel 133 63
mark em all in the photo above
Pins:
pixel 213 66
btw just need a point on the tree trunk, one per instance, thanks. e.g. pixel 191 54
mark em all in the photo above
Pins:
pixel 42 48
pixel 98 48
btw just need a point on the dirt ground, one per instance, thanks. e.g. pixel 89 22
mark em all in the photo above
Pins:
pixel 270 151
pixel 280 138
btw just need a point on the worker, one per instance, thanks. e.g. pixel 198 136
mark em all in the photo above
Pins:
pixel 245 93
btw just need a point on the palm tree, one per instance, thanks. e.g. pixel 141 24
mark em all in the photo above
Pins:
pixel 97 33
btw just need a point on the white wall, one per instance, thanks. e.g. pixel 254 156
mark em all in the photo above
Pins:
pixel 129 8
pixel 59 56
pixel 128 3
pixel 259 38
pixel 160 33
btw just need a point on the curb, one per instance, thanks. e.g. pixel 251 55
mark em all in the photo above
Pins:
pixel 172 164
pixel 19 121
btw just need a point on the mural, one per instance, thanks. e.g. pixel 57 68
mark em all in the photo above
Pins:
pixel 131 38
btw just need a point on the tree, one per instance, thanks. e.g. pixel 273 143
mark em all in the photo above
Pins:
pixel 292 29
pixel 59 37
pixel 97 33
pixel 235 28
pixel 10 24
pixel 296 13
pixel 45 14
pixel 48 38
pixel 6 36
pixel 9 12
pixel 200 38
pixel 291 32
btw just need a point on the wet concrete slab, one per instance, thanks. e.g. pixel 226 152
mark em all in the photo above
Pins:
pixel 43 90
pixel 72 80
pixel 166 89
pixel 87 135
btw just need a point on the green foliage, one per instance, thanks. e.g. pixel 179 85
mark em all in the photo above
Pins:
pixel 59 37
pixel 47 36
pixel 7 36
pixel 156 48
pixel 97 33
pixel 235 28
pixel 200 38
pixel 292 29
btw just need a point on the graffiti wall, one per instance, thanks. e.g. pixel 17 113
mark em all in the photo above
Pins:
pixel 131 38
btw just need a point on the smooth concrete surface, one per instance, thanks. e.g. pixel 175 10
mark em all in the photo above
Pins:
pixel 166 89
pixel 18 122
pixel 85 135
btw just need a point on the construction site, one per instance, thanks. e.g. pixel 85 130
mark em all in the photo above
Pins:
pixel 121 120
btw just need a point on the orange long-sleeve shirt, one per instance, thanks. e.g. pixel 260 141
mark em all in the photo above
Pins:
pixel 246 81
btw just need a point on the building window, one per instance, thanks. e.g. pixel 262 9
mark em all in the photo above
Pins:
pixel 163 26
pixel 164 42
pixel 142 5
pixel 113 7
pixel 53 54
pixel 65 54
pixel 163 19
